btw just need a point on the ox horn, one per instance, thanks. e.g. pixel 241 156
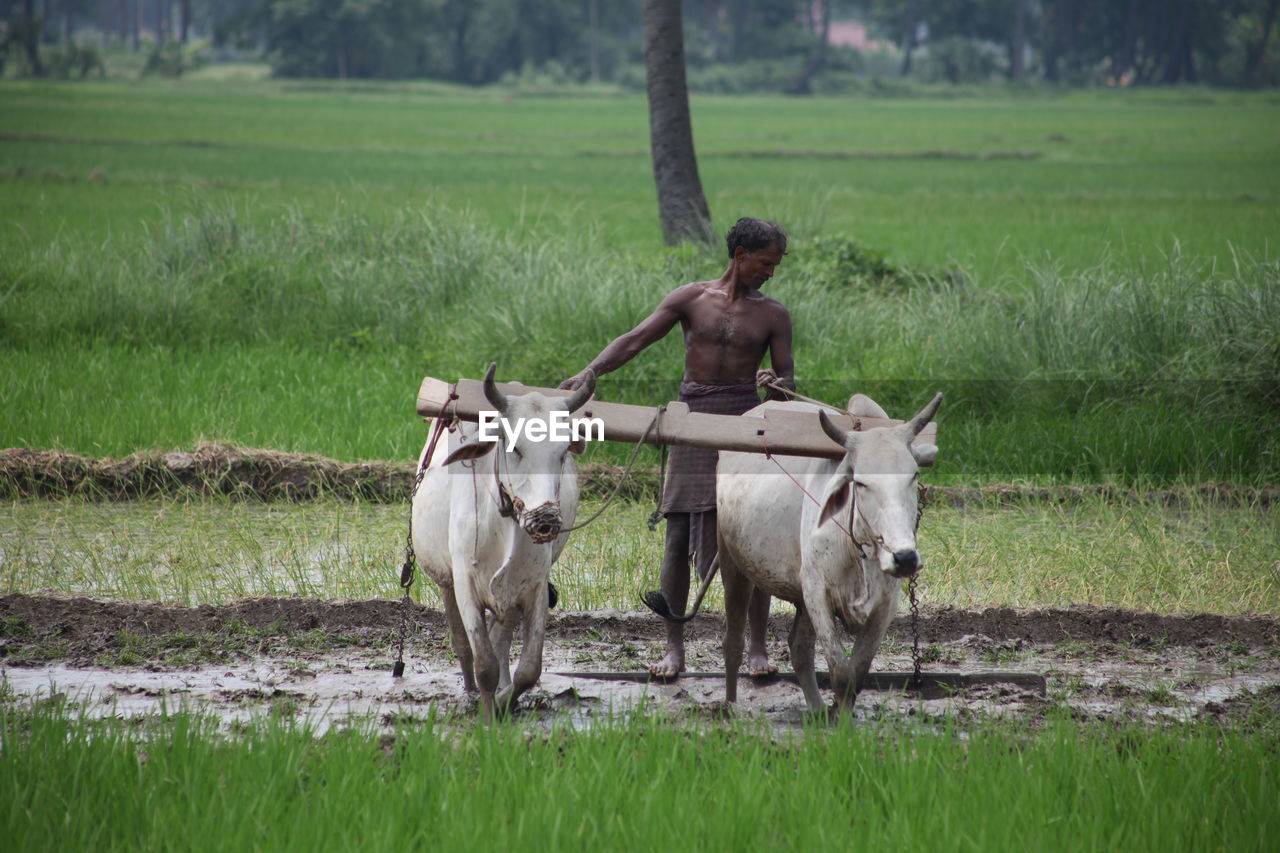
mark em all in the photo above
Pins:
pixel 491 393
pixel 912 427
pixel 584 392
pixel 833 432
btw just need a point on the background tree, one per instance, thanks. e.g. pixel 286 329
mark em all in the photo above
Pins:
pixel 682 207
pixel 31 26
pixel 1257 50
pixel 730 45
pixel 819 20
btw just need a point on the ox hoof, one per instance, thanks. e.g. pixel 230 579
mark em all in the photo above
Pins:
pixel 820 715
pixel 505 705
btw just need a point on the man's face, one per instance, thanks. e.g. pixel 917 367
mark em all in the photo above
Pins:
pixel 756 267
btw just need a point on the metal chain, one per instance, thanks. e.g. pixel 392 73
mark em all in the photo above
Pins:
pixel 917 679
pixel 410 560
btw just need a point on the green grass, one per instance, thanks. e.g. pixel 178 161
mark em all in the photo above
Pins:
pixel 175 782
pixel 1200 558
pixel 278 265
pixel 1126 172
pixel 312 335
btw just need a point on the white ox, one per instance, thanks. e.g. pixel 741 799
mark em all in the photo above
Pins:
pixel 486 528
pixel 838 553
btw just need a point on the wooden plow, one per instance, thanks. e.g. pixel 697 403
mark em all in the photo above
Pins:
pixel 779 432
pixel 782 433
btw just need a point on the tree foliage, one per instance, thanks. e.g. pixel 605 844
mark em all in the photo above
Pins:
pixel 730 45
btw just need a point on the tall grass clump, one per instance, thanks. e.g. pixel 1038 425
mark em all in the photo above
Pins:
pixel 177 781
pixel 1106 373
pixel 1144 375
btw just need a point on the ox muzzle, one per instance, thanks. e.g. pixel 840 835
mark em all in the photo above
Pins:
pixel 906 563
pixel 542 523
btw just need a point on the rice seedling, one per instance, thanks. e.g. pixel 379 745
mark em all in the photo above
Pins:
pixel 1199 557
pixel 177 781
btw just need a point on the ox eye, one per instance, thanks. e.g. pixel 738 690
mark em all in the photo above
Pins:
pixel 519 454
pixel 860 484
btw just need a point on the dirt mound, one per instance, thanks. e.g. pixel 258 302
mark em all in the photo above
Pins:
pixel 221 469
pixel 76 617
pixel 243 472
pixel 71 620
pixel 215 469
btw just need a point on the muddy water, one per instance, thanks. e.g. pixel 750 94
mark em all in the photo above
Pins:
pixel 329 662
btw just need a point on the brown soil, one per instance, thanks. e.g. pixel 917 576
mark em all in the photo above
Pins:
pixel 332 659
pixel 220 469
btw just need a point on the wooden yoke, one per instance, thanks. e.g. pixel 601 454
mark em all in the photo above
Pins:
pixel 779 432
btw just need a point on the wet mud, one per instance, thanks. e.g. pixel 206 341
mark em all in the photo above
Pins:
pixel 330 661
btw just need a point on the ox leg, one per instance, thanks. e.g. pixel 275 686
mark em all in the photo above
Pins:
pixel 802 658
pixel 458 638
pixel 529 668
pixel 868 640
pixel 486 664
pixel 737 595
pixel 827 634
pixel 500 634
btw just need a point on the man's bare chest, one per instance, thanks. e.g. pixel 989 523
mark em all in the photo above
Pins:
pixel 741 326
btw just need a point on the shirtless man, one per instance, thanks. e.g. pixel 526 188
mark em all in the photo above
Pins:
pixel 729 326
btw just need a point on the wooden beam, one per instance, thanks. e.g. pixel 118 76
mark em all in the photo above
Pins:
pixel 779 432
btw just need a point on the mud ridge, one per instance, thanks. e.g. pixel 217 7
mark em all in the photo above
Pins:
pixel 75 620
pixel 271 475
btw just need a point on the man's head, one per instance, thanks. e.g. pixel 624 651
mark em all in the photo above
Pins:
pixel 756 248
pixel 755 234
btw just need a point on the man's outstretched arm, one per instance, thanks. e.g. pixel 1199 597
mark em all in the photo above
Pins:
pixel 626 346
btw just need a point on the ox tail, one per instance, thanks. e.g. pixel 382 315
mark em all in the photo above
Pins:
pixel 657 602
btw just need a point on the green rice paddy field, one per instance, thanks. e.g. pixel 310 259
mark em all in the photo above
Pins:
pixel 278 265
pixel 1091 278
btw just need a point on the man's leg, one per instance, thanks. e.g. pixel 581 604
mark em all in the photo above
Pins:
pixel 675 586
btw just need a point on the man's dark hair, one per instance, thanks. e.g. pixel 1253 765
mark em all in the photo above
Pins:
pixel 755 234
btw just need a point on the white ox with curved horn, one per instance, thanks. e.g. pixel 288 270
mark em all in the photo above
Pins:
pixel 486 528
pixel 838 550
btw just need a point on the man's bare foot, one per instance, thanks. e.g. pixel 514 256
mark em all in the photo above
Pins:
pixel 669 667
pixel 758 665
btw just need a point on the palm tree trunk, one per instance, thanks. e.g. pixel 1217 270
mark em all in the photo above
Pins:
pixel 682 207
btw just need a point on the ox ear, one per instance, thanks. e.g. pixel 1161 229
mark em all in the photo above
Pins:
pixel 925 454
pixel 838 494
pixel 470 450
